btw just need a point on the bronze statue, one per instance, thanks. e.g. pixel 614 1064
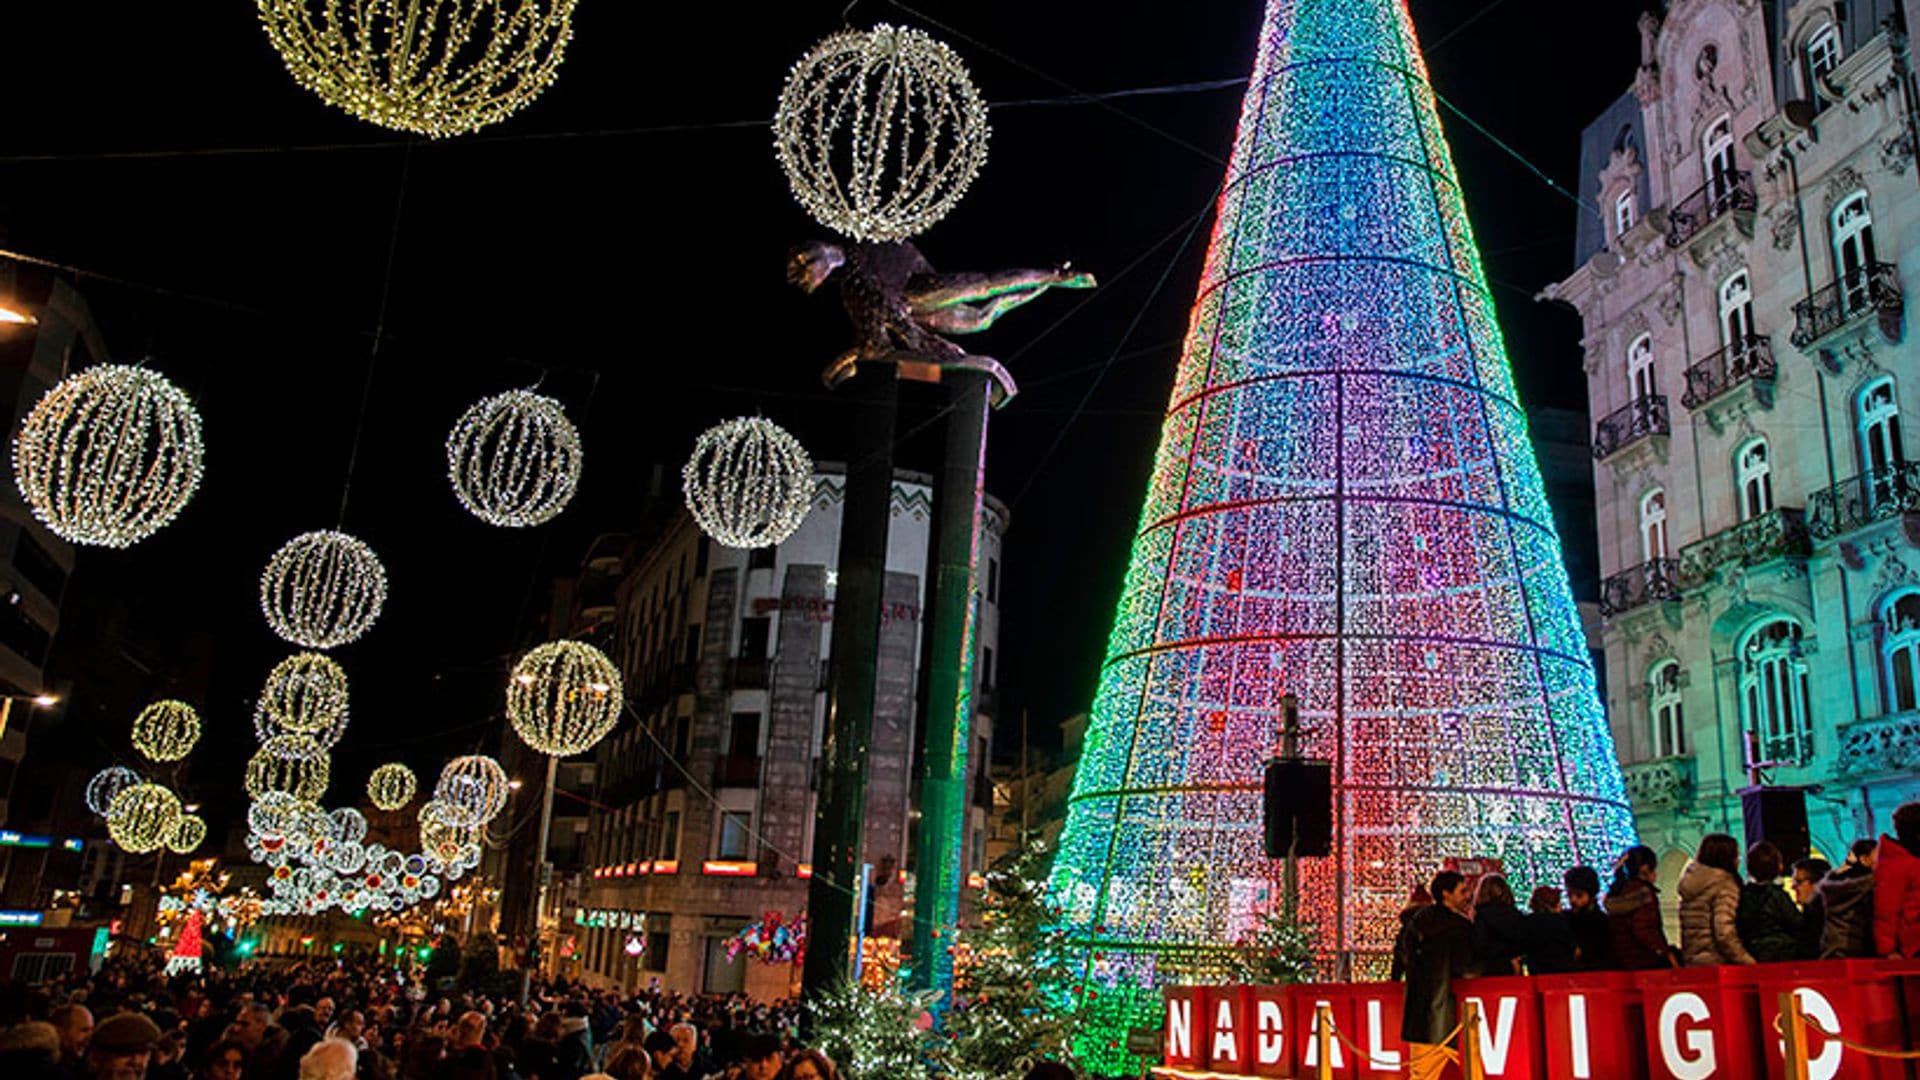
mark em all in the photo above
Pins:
pixel 900 306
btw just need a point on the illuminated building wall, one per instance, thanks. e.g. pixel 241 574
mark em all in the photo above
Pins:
pixel 1344 505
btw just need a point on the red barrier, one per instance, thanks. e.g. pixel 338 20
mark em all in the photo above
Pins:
pixel 1273 1033
pixel 1856 999
pixel 1701 1022
pixel 1510 1045
pixel 1593 1026
pixel 1184 1028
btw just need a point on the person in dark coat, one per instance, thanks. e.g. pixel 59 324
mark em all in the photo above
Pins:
pixel 1592 950
pixel 1551 949
pixel 31 1051
pixel 1896 887
pixel 1636 937
pixel 1808 873
pixel 1846 905
pixel 1442 952
pixel 1403 940
pixel 1499 929
pixel 1767 919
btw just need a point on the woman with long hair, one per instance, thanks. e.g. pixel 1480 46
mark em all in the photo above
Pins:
pixel 1635 933
pixel 1710 904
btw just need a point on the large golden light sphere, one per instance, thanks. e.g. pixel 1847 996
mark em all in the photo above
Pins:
pixel 391 786
pixel 291 764
pixel 143 818
pixel 109 455
pixel 564 697
pixel 305 694
pixel 432 67
pixel 189 834
pixel 166 730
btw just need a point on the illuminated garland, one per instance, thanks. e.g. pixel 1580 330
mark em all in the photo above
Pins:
pixel 293 765
pixel 1345 506
pixel 880 132
pixel 749 484
pixel 109 455
pixel 564 697
pixel 166 730
pixel 770 941
pixel 106 784
pixel 472 790
pixel 323 589
pixel 143 817
pixel 305 694
pixel 437 69
pixel 188 834
pixel 391 786
pixel 514 459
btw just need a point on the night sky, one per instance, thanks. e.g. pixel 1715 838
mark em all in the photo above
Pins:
pixel 635 273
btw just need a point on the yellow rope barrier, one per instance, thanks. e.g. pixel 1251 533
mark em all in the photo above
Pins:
pixel 1441 1049
pixel 1791 1016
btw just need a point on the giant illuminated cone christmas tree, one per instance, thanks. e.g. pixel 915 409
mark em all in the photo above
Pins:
pixel 1345 506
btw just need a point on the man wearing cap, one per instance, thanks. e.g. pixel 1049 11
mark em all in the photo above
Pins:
pixel 121 1047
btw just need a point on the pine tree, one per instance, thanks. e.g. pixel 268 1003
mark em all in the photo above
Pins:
pixel 1278 951
pixel 1013 982
pixel 882 1032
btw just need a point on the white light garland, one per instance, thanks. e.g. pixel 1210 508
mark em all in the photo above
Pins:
pixel 143 817
pixel 166 730
pixel 305 694
pixel 292 764
pixel 189 834
pixel 880 132
pixel 435 69
pixel 749 484
pixel 563 697
pixel 391 786
pixel 109 455
pixel 323 589
pixel 514 459
pixel 472 790
pixel 347 825
pixel 106 784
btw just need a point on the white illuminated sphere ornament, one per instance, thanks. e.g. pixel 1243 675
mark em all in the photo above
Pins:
pixel 109 455
pixel 323 589
pixel 106 784
pixel 564 697
pixel 440 69
pixel 189 834
pixel 143 818
pixel 166 730
pixel 391 786
pixel 291 764
pixel 880 132
pixel 472 790
pixel 749 484
pixel 514 459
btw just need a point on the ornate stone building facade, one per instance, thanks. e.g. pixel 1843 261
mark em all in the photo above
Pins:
pixel 1742 287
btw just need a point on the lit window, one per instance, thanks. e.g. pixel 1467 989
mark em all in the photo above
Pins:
pixel 1822 56
pixel 1640 367
pixel 1773 693
pixel 1881 453
pixel 1736 311
pixel 1755 467
pixel 1663 707
pixel 1623 213
pixel 1853 251
pixel 1653 525
pixel 1900 649
pixel 1716 156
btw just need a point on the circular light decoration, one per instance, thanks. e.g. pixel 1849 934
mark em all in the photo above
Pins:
pixel 166 730
pixel 436 69
pixel 188 834
pixel 749 484
pixel 107 783
pixel 514 459
pixel 441 839
pixel 472 790
pixel 564 697
pixel 143 817
pixel 323 589
pixel 109 455
pixel 305 694
pixel 391 786
pixel 291 764
pixel 347 825
pixel 880 132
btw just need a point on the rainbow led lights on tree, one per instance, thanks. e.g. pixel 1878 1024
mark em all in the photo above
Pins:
pixel 1344 506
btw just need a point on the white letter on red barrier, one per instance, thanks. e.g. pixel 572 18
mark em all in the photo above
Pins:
pixel 1577 1034
pixel 1226 1048
pixel 1826 1064
pixel 1495 1043
pixel 1383 1058
pixel 1180 1029
pixel 1701 1063
pixel 1334 1057
pixel 1270 1029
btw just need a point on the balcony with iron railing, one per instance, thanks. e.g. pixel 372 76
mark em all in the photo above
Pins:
pixel 1873 289
pixel 1638 586
pixel 1789 748
pixel 1859 501
pixel 1882 744
pixel 1776 534
pixel 1643 417
pixel 1749 360
pixel 1660 784
pixel 1719 197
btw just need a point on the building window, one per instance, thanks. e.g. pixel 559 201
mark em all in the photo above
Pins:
pixel 993 581
pixel 1623 213
pixel 670 836
pixel 753 637
pixel 761 558
pixel 1716 154
pixel 37 565
pixel 1881 451
pixel 20 633
pixel 1653 525
pixel 1853 251
pixel 700 557
pixel 731 840
pixel 1736 311
pixel 1773 692
pixel 1822 55
pixel 1663 706
pixel 1640 367
pixel 1754 464
pixel 986 669
pixel 743 735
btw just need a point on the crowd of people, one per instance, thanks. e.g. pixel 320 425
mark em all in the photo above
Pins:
pixel 1867 907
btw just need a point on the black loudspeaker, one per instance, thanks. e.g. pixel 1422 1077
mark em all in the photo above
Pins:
pixel 1777 815
pixel 1299 808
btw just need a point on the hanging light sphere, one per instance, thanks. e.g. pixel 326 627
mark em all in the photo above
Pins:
pixel 442 839
pixel 391 786
pixel 514 459
pixel 109 455
pixel 323 589
pixel 347 825
pixel 436 69
pixel 143 817
pixel 880 132
pixel 749 484
pixel 292 764
pixel 305 694
pixel 472 790
pixel 188 834
pixel 107 783
pixel 564 697
pixel 166 730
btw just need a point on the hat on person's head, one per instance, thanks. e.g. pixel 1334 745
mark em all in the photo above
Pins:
pixel 123 1032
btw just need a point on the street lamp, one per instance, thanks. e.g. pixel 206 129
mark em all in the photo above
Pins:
pixel 12 314
pixel 41 700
